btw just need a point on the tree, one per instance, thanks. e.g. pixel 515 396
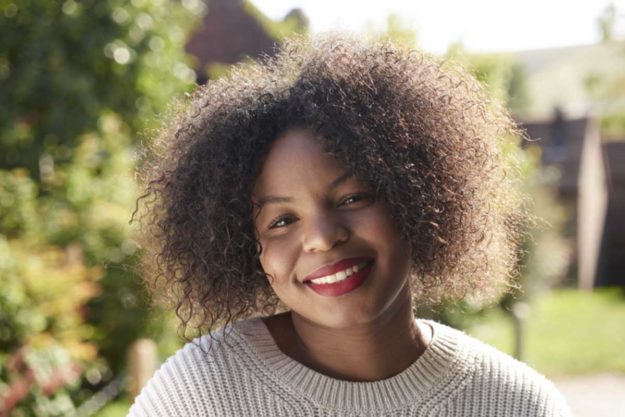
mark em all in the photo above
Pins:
pixel 502 75
pixel 79 81
pixel 294 22
pixel 397 30
pixel 607 23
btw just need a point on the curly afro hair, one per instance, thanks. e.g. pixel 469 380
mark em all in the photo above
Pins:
pixel 420 131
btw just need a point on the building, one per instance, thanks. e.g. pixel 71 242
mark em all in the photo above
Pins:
pixel 612 261
pixel 591 186
pixel 233 31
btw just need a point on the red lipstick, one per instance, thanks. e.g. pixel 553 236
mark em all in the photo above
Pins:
pixel 348 284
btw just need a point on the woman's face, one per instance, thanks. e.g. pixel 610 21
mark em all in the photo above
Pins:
pixel 334 254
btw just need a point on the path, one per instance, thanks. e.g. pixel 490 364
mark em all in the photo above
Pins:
pixel 594 396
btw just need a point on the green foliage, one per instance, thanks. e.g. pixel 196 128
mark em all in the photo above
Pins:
pixel 43 336
pixel 17 203
pixel 613 126
pixel 217 70
pixel 35 311
pixel 518 90
pixel 55 66
pixel 294 22
pixel 78 82
pixel 607 22
pixel 607 89
pixel 545 252
pixel 397 30
pixel 503 76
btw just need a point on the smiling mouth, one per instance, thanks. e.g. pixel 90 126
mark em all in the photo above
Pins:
pixel 343 281
pixel 339 276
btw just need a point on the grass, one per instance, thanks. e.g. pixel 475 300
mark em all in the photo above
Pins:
pixel 117 408
pixel 568 332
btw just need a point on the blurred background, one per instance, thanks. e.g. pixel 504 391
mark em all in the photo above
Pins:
pixel 83 83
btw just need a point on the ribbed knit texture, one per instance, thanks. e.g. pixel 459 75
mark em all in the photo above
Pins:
pixel 242 372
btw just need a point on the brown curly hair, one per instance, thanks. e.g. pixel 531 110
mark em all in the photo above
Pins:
pixel 420 131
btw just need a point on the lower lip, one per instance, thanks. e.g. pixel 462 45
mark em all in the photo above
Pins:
pixel 342 287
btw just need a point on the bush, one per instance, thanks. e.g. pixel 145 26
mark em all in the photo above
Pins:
pixel 82 80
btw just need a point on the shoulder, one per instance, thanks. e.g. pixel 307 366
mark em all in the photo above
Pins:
pixel 197 378
pixel 501 385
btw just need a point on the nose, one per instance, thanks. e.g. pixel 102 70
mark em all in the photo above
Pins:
pixel 323 233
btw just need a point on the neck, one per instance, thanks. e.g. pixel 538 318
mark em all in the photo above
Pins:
pixel 370 352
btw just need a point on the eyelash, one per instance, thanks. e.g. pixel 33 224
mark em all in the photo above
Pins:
pixel 356 197
pixel 274 222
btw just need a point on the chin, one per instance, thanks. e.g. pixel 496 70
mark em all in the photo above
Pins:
pixel 349 318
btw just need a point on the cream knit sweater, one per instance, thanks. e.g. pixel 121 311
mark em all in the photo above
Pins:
pixel 241 372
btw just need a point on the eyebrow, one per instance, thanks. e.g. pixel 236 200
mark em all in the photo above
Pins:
pixel 271 199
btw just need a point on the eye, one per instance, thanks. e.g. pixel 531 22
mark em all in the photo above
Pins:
pixel 281 221
pixel 355 198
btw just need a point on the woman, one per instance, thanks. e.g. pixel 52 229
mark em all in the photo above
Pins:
pixel 306 205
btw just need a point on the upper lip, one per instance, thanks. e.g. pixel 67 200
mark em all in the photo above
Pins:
pixel 335 267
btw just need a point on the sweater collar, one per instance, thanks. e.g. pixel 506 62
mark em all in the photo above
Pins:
pixel 410 385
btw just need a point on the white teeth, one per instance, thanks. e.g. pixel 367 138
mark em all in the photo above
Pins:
pixel 339 276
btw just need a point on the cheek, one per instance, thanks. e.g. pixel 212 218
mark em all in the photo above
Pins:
pixel 379 229
pixel 378 223
pixel 278 259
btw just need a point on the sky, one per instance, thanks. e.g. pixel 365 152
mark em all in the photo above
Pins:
pixel 481 25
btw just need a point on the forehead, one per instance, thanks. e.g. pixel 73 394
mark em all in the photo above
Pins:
pixel 297 159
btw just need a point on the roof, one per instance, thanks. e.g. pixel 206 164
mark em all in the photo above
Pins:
pixel 227 35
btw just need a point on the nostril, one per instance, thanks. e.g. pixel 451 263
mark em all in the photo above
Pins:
pixel 323 236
